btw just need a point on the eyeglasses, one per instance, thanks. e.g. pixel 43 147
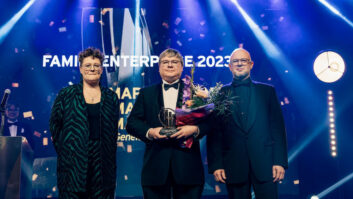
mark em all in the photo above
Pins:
pixel 240 61
pixel 89 66
pixel 173 62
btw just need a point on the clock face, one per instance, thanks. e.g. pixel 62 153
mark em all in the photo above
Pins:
pixel 329 67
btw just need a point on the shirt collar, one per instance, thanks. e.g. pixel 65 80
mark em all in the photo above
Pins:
pixel 245 82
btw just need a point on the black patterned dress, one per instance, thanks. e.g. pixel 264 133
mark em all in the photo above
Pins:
pixel 86 165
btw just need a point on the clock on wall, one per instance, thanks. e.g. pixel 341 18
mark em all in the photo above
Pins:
pixel 329 66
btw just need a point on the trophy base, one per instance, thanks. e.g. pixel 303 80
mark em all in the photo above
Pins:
pixel 168 132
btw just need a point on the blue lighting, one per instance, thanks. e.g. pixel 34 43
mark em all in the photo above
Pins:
pixel 6 28
pixel 336 12
pixel 335 186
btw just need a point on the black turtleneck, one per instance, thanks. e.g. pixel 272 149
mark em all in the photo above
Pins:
pixel 241 90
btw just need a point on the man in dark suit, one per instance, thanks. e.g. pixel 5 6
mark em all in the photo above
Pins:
pixel 14 127
pixel 248 147
pixel 168 169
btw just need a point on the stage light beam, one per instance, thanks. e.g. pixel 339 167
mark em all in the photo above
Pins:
pixel 335 186
pixel 336 12
pixel 7 27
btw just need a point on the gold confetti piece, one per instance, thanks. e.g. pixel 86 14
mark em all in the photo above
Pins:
pixel 34 177
pixel 120 144
pixel 129 148
pixel 28 114
pixel 217 188
pixel 45 141
pixel 125 177
pixel 15 85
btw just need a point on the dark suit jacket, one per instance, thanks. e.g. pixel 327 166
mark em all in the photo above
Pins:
pixel 162 155
pixel 69 128
pixel 258 146
pixel 22 130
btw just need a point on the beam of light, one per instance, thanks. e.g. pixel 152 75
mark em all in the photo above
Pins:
pixel 6 28
pixel 336 12
pixel 217 12
pixel 304 143
pixel 335 186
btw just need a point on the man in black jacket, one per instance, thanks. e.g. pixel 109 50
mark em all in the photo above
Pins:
pixel 249 145
pixel 168 169
pixel 14 127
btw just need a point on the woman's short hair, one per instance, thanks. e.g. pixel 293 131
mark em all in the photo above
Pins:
pixel 88 52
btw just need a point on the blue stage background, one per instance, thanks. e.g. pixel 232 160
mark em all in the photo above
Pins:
pixel 284 42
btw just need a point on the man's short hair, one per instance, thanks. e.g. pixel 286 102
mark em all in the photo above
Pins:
pixel 170 52
pixel 88 52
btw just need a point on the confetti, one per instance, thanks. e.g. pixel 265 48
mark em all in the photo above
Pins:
pixel 34 177
pixel 37 134
pixel 177 21
pixel 217 188
pixel 45 143
pixel 62 29
pixel 91 18
pixel 129 148
pixel 179 43
pixel 164 24
pixel 28 114
pixel 264 27
pixel 15 85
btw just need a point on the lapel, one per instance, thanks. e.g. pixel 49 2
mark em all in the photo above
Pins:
pixel 180 94
pixel 160 101
pixel 252 106
pixel 234 107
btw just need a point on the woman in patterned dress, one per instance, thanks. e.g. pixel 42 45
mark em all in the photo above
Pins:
pixel 83 125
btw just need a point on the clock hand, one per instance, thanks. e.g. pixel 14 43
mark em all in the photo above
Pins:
pixel 322 71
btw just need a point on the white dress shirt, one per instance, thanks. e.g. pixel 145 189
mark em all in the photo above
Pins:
pixel 170 96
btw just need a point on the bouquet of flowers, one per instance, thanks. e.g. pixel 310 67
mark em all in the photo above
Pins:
pixel 198 103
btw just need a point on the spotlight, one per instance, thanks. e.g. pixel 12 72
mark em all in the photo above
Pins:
pixel 333 142
pixel 336 185
pixel 336 12
pixel 330 103
pixel 330 98
pixel 6 28
pixel 314 197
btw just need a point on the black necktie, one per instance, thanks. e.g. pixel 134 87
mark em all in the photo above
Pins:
pixel 167 86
